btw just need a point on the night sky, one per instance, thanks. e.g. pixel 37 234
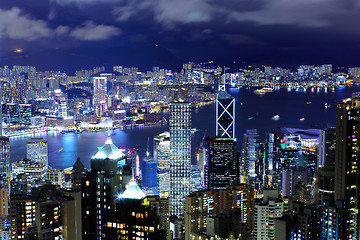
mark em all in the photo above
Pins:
pixel 82 33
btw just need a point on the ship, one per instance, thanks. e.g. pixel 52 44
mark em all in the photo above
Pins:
pixel 276 117
pixel 259 91
pixel 267 89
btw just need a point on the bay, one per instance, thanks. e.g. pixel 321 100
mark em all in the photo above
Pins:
pixel 252 112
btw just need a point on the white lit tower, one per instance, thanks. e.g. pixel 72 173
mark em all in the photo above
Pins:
pixel 180 156
pixel 225 113
pixel 99 97
pixel 162 156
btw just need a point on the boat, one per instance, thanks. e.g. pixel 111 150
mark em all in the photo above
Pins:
pixel 327 105
pixel 78 131
pixel 63 131
pixel 250 118
pixel 60 149
pixel 302 119
pixel 276 117
pixel 308 103
pixel 267 89
pixel 259 91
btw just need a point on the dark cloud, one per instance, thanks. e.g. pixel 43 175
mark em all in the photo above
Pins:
pixel 191 29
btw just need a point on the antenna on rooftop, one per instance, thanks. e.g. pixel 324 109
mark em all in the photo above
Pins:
pixel 222 85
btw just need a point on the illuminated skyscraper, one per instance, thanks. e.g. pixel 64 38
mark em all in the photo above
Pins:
pixel 347 164
pixel 37 150
pixel 223 163
pixel 225 115
pixel 99 90
pixel 180 155
pixel 60 103
pixel 100 188
pixel 162 156
pixel 25 114
pixel 250 155
pixel 5 161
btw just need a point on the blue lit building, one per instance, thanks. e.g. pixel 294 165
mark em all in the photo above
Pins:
pixel 149 173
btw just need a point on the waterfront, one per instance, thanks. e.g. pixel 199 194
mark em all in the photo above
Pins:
pixel 252 112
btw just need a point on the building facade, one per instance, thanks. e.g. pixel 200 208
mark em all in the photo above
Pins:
pixel 37 150
pixel 180 155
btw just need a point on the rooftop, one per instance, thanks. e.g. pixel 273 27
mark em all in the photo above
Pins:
pixel 133 191
pixel 108 151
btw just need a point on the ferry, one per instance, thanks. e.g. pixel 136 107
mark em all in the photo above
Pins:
pixel 276 117
pixel 259 91
pixel 267 89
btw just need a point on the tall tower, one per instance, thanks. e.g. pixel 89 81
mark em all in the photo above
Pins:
pixel 5 161
pixel 347 164
pixel 162 156
pixel 223 169
pixel 180 156
pixel 100 187
pixel 225 115
pixel 99 90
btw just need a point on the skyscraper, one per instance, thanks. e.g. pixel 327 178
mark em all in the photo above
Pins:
pixel 162 156
pixel 5 161
pixel 327 146
pixel 37 150
pixel 225 115
pixel 180 155
pixel 250 155
pixel 60 103
pixel 99 90
pixel 100 187
pixel 223 169
pixel 347 164
pixel 25 114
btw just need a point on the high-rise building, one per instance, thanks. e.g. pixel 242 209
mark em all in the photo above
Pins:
pixel 5 161
pixel 250 156
pixel 37 150
pixel 327 146
pixel 291 177
pixel 60 100
pixel 135 217
pixel 99 90
pixel 347 165
pixel 12 110
pixel 226 213
pixel 223 169
pixel 4 213
pixel 148 176
pixel 100 187
pixel 180 155
pixel 162 156
pixel 225 115
pixel 45 214
pixel 265 213
pixel 324 187
pixel 34 171
pixel 25 114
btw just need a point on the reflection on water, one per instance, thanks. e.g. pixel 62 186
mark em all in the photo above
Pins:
pixel 290 105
